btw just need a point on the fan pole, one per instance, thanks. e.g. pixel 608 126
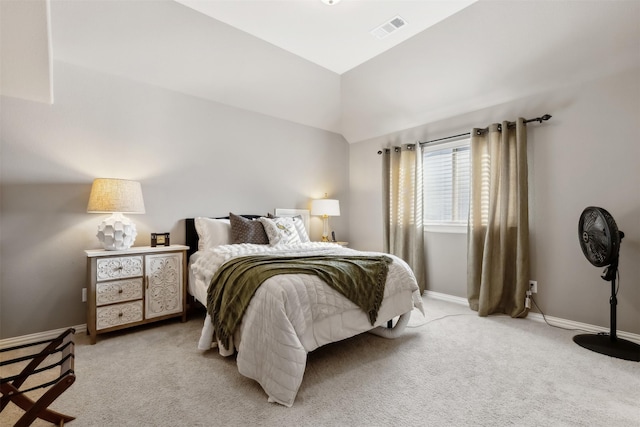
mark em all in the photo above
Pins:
pixel 610 274
pixel 613 301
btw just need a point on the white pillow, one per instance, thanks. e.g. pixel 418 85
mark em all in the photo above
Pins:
pixel 302 232
pixel 299 224
pixel 281 231
pixel 212 232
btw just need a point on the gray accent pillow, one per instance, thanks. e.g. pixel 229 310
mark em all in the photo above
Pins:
pixel 245 230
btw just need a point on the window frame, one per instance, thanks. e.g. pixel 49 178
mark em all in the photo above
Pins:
pixel 446 226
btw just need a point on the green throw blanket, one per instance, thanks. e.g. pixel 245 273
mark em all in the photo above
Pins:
pixel 359 278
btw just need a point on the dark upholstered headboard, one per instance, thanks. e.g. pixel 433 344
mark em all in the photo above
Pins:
pixel 191 235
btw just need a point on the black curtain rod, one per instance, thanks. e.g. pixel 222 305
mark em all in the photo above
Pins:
pixel 537 119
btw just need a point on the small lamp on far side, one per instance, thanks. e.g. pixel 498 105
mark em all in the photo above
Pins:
pixel 325 208
pixel 117 196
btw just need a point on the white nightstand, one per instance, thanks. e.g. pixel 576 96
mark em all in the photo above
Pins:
pixel 345 244
pixel 140 285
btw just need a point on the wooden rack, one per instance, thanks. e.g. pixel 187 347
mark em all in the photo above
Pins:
pixel 10 386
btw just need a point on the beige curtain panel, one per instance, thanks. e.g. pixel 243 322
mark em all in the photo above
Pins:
pixel 498 230
pixel 402 201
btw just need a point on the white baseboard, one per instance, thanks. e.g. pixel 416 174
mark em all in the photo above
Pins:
pixel 40 336
pixel 446 297
pixel 537 317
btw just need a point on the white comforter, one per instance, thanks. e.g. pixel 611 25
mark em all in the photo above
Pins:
pixel 291 315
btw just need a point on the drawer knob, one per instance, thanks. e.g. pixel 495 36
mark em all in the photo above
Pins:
pixel 120 314
pixel 119 291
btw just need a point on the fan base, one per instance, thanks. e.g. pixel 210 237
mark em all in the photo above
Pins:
pixel 603 344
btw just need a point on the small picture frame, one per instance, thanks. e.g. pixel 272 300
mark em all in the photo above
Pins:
pixel 160 239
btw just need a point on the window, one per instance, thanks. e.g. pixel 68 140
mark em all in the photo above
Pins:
pixel 446 170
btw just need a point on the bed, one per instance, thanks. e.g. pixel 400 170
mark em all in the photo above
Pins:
pixel 289 315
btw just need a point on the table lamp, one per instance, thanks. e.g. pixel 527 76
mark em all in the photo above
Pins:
pixel 117 196
pixel 325 208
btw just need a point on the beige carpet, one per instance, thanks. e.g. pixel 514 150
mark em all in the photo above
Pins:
pixel 450 369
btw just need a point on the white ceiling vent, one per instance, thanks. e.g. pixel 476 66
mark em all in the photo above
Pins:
pixel 389 27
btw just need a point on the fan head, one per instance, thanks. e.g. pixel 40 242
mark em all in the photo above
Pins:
pixel 599 236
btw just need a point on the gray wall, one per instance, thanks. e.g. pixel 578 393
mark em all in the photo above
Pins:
pixel 492 52
pixel 166 44
pixel 588 154
pixel 192 156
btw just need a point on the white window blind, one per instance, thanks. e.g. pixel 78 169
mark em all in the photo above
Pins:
pixel 446 171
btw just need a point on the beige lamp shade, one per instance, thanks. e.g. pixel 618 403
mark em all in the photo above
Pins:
pixel 116 196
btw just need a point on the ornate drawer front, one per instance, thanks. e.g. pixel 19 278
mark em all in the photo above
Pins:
pixel 119 267
pixel 118 291
pixel 164 285
pixel 163 300
pixel 118 314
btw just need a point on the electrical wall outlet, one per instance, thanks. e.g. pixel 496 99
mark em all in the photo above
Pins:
pixel 84 294
pixel 533 286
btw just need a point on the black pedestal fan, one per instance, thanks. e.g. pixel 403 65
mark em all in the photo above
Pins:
pixel 600 242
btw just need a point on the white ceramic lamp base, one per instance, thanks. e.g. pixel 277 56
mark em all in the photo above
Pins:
pixel 117 233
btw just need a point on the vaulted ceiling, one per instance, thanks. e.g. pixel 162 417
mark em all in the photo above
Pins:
pixel 317 65
pixel 336 36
